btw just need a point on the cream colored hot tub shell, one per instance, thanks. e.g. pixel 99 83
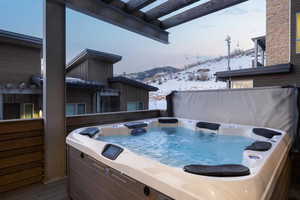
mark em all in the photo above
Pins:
pixel 180 185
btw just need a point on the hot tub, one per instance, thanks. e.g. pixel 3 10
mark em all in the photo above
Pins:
pixel 173 158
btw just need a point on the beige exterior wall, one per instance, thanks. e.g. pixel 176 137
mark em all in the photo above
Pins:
pixel 278 32
pixel 18 63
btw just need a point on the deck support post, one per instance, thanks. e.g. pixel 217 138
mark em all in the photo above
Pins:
pixel 1 106
pixel 54 61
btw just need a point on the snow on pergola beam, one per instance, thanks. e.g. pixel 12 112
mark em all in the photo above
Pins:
pixel 199 11
pixel 114 13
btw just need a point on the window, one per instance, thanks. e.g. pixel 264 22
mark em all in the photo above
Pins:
pixel 75 109
pixel 80 109
pixel 298 33
pixel 28 110
pixel 133 106
pixel 71 109
pixel 242 84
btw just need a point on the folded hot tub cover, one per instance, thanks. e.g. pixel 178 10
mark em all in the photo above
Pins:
pixel 134 125
pixel 207 125
pixel 168 120
pixel 265 132
pixel 230 170
pixel 259 146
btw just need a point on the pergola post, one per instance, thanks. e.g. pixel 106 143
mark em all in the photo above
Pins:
pixel 54 59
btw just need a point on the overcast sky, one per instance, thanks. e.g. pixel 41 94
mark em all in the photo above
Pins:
pixel 201 37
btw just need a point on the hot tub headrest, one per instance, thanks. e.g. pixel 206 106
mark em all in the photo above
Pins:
pixel 138 131
pixel 91 132
pixel 168 120
pixel 134 125
pixel 230 170
pixel 265 132
pixel 259 146
pixel 207 125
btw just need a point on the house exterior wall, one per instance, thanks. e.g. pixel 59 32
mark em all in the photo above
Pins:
pixel 131 94
pixel 75 95
pixel 21 99
pixel 99 71
pixel 93 70
pixel 18 63
pixel 278 32
pixel 80 71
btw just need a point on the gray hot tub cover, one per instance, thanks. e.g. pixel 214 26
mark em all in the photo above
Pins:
pixel 272 107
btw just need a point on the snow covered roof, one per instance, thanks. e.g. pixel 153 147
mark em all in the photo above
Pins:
pixel 72 82
pixel 134 83
pixel 20 39
pixel 88 54
pixel 274 69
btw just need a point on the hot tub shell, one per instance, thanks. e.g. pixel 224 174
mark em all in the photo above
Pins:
pixel 93 175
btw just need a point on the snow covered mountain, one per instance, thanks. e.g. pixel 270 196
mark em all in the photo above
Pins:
pixel 196 76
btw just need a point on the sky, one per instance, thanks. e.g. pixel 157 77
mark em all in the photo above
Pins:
pixel 201 38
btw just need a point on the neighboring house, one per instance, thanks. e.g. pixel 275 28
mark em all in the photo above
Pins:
pixel 282 46
pixel 91 87
pixel 118 93
pixel 20 59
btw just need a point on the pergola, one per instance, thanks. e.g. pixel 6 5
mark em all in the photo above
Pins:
pixel 126 15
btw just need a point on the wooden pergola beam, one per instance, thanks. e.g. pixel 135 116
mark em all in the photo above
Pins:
pixel 134 5
pixel 199 11
pixel 114 13
pixel 167 8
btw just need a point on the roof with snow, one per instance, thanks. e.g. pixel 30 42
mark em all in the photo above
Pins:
pixel 92 54
pixel 72 82
pixel 20 39
pixel 274 69
pixel 134 83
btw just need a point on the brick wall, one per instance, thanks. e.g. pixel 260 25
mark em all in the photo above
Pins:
pixel 278 32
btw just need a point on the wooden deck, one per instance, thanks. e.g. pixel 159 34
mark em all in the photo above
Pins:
pixel 52 191
pixel 58 191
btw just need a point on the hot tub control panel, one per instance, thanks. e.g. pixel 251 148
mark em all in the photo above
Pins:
pixel 112 151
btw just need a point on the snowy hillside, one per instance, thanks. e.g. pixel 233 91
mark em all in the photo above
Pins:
pixel 198 77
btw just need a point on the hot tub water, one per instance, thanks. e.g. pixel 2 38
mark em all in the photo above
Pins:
pixel 178 146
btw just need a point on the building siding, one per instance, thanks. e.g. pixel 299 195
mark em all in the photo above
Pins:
pixel 18 63
pixel 100 71
pixel 75 95
pixel 80 71
pixel 278 32
pixel 131 94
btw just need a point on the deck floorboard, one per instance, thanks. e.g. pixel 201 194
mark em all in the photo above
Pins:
pixel 52 191
pixel 58 191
